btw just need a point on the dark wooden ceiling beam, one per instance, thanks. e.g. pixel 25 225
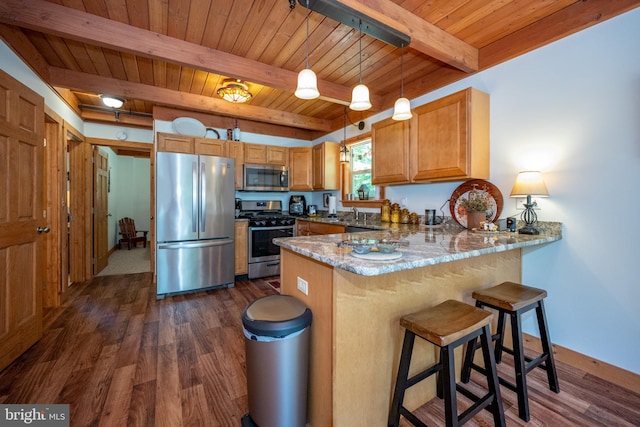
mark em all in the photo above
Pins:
pixel 70 23
pixel 425 37
pixel 97 84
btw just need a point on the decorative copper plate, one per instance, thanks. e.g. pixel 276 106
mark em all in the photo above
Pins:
pixel 459 213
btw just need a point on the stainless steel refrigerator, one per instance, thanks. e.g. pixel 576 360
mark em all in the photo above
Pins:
pixel 195 214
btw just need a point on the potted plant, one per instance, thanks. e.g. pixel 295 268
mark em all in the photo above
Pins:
pixel 476 205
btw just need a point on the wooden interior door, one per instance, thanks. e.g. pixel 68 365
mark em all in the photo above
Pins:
pixel 100 209
pixel 21 217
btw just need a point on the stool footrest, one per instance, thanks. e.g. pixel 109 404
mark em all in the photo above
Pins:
pixel 423 374
pixel 502 381
pixel 414 420
pixel 479 404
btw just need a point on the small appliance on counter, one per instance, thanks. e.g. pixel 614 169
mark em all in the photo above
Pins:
pixel 297 205
pixel 312 211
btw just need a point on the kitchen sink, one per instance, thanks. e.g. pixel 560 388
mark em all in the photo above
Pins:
pixel 356 229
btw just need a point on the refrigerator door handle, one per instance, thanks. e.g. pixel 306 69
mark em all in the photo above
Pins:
pixel 199 244
pixel 194 197
pixel 203 197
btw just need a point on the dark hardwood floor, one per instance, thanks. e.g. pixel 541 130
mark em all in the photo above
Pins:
pixel 119 357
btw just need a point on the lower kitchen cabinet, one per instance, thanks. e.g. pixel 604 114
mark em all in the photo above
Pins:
pixel 312 228
pixel 241 237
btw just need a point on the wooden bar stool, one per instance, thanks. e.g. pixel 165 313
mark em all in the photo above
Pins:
pixel 447 325
pixel 513 299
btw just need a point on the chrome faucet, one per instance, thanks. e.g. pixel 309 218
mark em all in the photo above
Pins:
pixel 355 214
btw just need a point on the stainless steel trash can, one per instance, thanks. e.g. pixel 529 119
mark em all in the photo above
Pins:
pixel 276 330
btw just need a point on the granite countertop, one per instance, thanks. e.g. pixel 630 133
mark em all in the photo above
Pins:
pixel 421 245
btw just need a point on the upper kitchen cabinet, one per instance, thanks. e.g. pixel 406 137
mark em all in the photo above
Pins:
pixel 192 145
pixel 175 143
pixel 326 166
pixel 390 148
pixel 212 147
pixel 445 140
pixel 277 155
pixel 265 154
pixel 450 138
pixel 300 169
pixel 236 151
pixel 255 153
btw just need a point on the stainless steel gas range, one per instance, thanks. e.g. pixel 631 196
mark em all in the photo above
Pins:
pixel 266 222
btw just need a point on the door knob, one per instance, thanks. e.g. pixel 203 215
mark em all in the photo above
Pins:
pixel 41 230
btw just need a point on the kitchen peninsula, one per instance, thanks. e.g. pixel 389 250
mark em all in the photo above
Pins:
pixel 357 303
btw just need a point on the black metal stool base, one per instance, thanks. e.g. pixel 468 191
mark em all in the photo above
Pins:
pixel 522 363
pixel 447 386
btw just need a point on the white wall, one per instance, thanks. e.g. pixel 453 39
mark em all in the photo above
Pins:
pixel 130 193
pixel 572 110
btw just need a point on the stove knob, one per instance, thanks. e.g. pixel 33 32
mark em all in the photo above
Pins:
pixel 274 221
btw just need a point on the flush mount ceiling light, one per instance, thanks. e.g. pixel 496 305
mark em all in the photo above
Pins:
pixel 112 101
pixel 402 107
pixel 307 80
pixel 351 17
pixel 360 95
pixel 234 90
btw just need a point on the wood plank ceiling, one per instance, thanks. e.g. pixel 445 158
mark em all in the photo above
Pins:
pixel 167 56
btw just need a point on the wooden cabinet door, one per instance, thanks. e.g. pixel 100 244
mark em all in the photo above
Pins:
pixel 212 147
pixel 236 151
pixel 277 155
pixel 302 228
pixel 451 138
pixel 326 166
pixel 300 169
pixel 390 148
pixel 175 143
pixel 21 242
pixel 324 228
pixel 255 153
pixel 241 242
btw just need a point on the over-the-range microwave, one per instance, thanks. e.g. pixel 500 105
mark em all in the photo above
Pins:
pixel 265 178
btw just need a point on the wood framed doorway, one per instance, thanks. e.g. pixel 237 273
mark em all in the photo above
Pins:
pixel 122 148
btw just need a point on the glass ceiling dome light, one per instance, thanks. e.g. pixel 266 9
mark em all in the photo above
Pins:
pixel 360 95
pixel 307 80
pixel 234 90
pixel 112 101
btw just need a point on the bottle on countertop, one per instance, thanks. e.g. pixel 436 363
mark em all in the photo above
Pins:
pixel 385 211
pixel 236 132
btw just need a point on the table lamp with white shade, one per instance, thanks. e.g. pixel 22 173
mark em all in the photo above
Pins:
pixel 529 184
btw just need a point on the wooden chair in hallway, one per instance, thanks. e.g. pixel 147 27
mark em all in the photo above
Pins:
pixel 130 234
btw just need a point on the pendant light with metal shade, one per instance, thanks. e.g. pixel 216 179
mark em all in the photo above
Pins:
pixel 360 95
pixel 307 80
pixel 402 107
